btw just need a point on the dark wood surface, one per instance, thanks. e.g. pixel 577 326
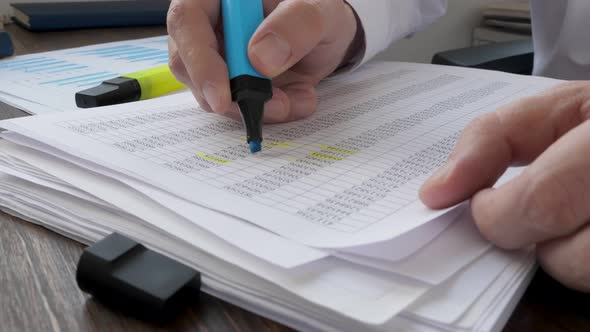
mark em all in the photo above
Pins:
pixel 38 290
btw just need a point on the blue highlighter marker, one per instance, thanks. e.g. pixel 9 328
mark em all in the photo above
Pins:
pixel 249 89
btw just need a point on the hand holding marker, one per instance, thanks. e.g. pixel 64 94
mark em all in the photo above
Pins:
pixel 249 89
pixel 297 45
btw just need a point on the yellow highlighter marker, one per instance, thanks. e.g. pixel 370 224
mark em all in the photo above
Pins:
pixel 136 86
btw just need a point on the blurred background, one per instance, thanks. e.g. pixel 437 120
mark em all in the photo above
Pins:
pixel 467 23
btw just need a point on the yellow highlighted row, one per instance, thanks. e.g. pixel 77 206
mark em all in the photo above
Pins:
pixel 337 150
pixel 277 145
pixel 271 144
pixel 318 155
pixel 213 158
pixel 324 156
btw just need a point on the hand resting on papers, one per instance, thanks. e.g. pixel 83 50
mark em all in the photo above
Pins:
pixel 299 43
pixel 549 203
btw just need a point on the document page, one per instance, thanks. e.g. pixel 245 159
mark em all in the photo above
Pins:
pixel 347 176
pixel 46 82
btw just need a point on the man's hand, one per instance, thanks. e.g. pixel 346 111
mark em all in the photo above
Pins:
pixel 549 203
pixel 299 43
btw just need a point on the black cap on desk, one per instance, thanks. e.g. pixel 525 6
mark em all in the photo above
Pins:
pixel 115 91
pixel 126 276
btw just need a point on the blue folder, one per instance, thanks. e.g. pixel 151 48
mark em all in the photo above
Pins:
pixel 90 14
pixel 6 48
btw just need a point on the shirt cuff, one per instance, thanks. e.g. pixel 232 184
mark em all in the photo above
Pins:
pixel 386 21
pixel 375 17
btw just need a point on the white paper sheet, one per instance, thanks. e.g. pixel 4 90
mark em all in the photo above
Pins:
pixel 249 238
pixel 447 302
pixel 250 296
pixel 406 244
pixel 332 285
pixel 347 176
pixel 459 245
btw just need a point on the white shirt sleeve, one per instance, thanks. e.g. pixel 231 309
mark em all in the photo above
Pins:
pixel 386 21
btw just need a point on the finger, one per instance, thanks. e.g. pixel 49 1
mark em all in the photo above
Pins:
pixel 269 6
pixel 175 62
pixel 191 25
pixel 277 45
pixel 515 134
pixel 289 103
pixel 567 258
pixel 181 74
pixel 548 200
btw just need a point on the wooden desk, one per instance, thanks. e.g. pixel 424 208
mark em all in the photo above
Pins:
pixel 38 290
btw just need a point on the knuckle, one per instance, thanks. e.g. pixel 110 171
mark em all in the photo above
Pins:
pixel 488 227
pixel 531 103
pixel 580 274
pixel 571 85
pixel 312 11
pixel 176 65
pixel 547 205
pixel 176 16
pixel 483 124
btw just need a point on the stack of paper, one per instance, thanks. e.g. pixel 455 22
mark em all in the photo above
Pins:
pixel 47 82
pixel 323 230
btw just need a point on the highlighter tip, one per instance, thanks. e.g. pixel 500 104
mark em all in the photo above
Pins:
pixel 255 146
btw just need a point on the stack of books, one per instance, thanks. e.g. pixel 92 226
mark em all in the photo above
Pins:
pixel 6 48
pixel 504 21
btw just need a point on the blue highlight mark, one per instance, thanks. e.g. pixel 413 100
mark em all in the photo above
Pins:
pixel 103 77
pixel 119 53
pixel 158 57
pixel 104 49
pixel 27 68
pixel 146 55
pixel 50 68
pixel 93 83
pixel 67 69
pixel 131 51
pixel 9 64
pixel 75 78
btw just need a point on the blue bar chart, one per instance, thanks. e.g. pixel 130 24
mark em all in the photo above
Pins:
pixel 82 80
pixel 131 53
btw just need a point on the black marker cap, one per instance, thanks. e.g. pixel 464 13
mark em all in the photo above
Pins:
pixel 128 277
pixel 115 91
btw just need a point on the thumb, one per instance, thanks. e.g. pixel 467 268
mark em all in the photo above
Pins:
pixel 291 32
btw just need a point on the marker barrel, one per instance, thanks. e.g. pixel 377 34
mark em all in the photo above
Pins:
pixel 241 18
pixel 249 88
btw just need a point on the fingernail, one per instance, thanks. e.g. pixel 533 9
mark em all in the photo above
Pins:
pixel 272 51
pixel 212 96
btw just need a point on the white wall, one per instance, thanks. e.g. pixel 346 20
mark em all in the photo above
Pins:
pixel 452 31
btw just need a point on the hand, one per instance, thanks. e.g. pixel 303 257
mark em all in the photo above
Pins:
pixel 299 43
pixel 549 203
